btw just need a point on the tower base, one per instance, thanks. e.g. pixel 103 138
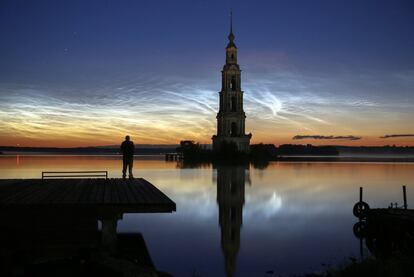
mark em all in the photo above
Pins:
pixel 242 142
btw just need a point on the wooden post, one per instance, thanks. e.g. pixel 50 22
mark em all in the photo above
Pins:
pixel 405 197
pixel 360 194
pixel 108 234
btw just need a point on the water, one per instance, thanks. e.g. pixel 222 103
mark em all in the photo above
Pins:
pixel 289 218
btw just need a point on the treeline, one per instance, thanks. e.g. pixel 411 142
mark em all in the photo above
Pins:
pixel 84 150
pixel 306 150
pixel 258 152
pixel 387 149
pixel 194 150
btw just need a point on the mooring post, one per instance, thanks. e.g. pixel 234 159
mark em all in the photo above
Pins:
pixel 360 194
pixel 405 197
pixel 361 248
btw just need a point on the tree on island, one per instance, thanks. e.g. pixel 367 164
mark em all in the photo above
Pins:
pixel 192 151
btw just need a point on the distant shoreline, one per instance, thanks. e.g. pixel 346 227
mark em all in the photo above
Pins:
pixel 5 150
pixel 390 158
pixel 345 153
pixel 161 156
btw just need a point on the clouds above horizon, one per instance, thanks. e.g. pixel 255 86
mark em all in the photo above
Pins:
pixel 166 110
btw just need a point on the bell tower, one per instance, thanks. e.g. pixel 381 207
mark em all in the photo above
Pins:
pixel 231 116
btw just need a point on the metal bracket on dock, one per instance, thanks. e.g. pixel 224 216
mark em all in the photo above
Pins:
pixel 74 174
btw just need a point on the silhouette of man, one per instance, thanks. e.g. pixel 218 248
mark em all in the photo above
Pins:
pixel 127 149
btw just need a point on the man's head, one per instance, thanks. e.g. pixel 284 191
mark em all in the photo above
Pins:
pixel 127 138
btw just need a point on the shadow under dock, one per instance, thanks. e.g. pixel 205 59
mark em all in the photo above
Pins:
pixel 50 227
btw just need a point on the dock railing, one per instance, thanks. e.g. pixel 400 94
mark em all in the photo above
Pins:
pixel 74 174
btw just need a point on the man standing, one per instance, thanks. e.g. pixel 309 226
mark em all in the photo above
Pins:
pixel 127 149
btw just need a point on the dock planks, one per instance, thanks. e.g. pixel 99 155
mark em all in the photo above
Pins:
pixel 135 196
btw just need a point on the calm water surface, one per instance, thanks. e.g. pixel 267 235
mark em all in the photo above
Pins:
pixel 289 217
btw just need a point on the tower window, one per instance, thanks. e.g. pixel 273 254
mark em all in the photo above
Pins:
pixel 233 129
pixel 232 56
pixel 233 84
pixel 233 103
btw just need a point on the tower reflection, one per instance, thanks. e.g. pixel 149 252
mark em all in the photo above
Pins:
pixel 230 200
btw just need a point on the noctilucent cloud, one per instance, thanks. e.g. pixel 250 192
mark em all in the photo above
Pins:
pixel 78 73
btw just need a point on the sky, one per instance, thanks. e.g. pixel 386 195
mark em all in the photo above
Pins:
pixel 87 73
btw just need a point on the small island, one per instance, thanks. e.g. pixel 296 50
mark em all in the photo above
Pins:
pixel 228 151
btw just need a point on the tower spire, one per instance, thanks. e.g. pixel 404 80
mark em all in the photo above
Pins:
pixel 231 36
pixel 231 21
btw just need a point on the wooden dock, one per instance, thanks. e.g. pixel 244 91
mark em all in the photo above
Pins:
pixel 68 226
pixel 129 196
pixel 394 215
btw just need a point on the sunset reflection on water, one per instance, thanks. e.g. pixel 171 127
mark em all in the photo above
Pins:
pixel 295 215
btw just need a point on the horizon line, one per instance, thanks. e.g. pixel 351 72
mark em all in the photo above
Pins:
pixel 172 145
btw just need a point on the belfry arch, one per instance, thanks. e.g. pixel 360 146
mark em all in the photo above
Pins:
pixel 233 84
pixel 233 130
pixel 233 103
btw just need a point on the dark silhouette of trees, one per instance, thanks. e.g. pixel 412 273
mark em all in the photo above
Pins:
pixel 298 149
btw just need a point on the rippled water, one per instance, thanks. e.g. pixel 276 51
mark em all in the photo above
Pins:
pixel 288 218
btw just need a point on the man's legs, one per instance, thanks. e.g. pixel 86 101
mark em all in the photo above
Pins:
pixel 124 167
pixel 131 163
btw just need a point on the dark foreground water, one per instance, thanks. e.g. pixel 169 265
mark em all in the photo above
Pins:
pixel 288 218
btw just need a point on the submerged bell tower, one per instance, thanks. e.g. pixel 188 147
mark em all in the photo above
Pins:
pixel 231 117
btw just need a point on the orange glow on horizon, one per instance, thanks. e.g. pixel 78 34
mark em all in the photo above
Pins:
pixel 61 142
